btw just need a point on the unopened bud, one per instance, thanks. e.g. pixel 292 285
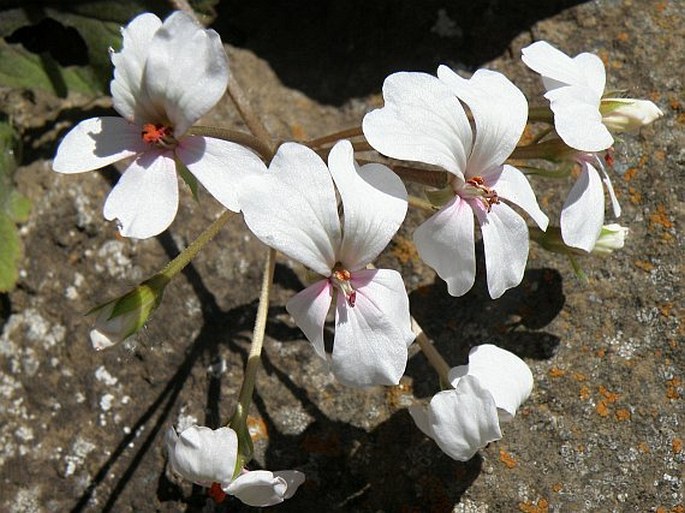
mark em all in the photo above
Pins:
pixel 122 317
pixel 611 238
pixel 628 114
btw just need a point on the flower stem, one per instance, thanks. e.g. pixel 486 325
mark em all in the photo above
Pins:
pixel 438 179
pixel 185 256
pixel 541 114
pixel 245 109
pixel 432 354
pixel 254 358
pixel 235 136
pixel 334 137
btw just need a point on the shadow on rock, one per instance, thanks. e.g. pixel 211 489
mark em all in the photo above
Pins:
pixel 513 322
pixel 333 51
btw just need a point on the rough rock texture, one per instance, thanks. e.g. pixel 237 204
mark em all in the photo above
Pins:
pixel 603 431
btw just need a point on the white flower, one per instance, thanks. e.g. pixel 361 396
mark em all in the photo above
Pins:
pixel 264 488
pixel 166 77
pixel 611 237
pixel 293 209
pixel 208 457
pixel 574 89
pixel 423 120
pixel 582 215
pixel 486 392
pixel 202 455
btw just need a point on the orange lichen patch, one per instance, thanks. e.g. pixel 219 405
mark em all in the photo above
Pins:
pixel 602 409
pixel 680 118
pixel 507 459
pixel 660 217
pixel 665 309
pixel 655 96
pixel 610 397
pixel 257 428
pixel 579 376
pixel 584 393
pixel 541 506
pixel 661 6
pixel 604 55
pixel 556 372
pixel 677 446
pixel 404 250
pixel 400 396
pixel 643 447
pixel 644 265
pixel 675 104
pixel 557 487
pixel 298 132
pixel 326 444
pixel 630 174
pixel 672 388
pixel 673 343
pixel 601 353
pixel 661 509
pixel 659 155
pixel 623 37
pixel 634 196
pixel 678 508
pixel 622 414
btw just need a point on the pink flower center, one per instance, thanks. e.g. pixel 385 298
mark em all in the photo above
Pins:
pixel 158 135
pixel 475 188
pixel 340 278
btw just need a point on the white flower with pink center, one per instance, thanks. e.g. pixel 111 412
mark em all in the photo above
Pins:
pixel 166 76
pixel 423 120
pixel 292 207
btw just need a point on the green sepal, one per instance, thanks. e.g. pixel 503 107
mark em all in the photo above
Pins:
pixel 238 423
pixel 440 197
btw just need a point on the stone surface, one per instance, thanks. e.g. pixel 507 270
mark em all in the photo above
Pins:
pixel 83 431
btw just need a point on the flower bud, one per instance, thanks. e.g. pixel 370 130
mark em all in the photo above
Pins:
pixel 628 114
pixel 122 317
pixel 612 237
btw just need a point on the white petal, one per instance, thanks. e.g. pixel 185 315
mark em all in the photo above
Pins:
pixel 500 112
pixel 421 121
pixel 220 166
pixel 505 242
pixel 446 243
pixel 145 198
pixel 577 119
pixel 259 488
pixel 309 308
pixel 203 455
pixel 294 478
pixel 374 204
pixel 582 215
pixel 127 97
pixel 419 413
pixel 186 72
pixel 503 374
pixel 464 419
pixel 293 208
pixel 513 185
pixel 591 68
pixel 615 206
pixel 97 142
pixel 558 69
pixel 371 338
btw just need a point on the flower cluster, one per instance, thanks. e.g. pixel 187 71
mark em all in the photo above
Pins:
pixel 336 218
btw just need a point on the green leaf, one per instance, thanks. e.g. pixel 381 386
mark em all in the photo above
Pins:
pixel 10 253
pixel 98 22
pixel 18 207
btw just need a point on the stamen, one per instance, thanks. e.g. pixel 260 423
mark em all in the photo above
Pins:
pixel 341 277
pixel 486 195
pixel 158 134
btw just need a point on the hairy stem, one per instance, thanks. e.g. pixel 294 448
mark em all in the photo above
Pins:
pixel 185 256
pixel 334 137
pixel 432 354
pixel 249 116
pixel 235 136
